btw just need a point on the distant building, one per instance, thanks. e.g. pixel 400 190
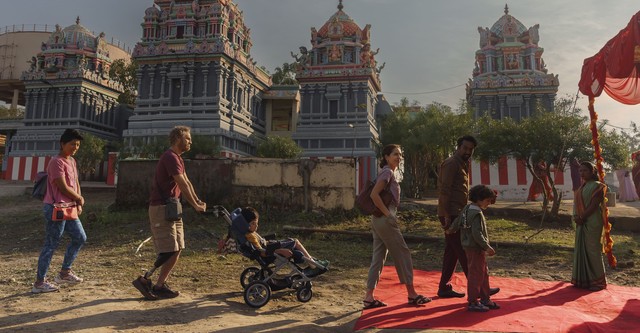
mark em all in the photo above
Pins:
pixel 66 86
pixel 510 77
pixel 196 69
pixel 340 95
pixel 50 94
pixel 510 80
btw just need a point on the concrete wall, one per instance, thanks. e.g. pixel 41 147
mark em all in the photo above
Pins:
pixel 262 183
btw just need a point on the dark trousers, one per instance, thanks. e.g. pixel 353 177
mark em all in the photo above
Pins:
pixel 478 278
pixel 453 252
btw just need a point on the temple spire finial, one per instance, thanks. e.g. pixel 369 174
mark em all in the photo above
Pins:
pixel 506 9
pixel 340 6
pixel 78 19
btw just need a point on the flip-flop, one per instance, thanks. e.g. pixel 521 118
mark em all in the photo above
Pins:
pixel 373 304
pixel 419 300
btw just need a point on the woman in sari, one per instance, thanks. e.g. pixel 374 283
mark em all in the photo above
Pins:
pixel 588 265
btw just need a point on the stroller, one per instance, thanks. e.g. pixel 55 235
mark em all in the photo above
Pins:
pixel 259 282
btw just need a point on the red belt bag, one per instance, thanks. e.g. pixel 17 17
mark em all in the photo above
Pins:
pixel 63 211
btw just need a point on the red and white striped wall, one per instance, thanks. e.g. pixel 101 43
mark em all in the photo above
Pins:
pixel 512 180
pixel 26 167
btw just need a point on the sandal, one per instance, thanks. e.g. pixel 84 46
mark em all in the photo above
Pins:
pixel 419 300
pixel 491 305
pixel 477 307
pixel 373 304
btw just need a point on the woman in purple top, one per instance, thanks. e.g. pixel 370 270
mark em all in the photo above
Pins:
pixel 387 237
pixel 62 187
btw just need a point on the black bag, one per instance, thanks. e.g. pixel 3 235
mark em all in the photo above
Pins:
pixel 40 186
pixel 173 209
pixel 365 204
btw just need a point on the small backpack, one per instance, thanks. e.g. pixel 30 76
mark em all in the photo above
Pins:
pixel 40 186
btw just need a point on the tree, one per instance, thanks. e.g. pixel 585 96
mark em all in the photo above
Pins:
pixel 552 137
pixel 125 74
pixel 285 75
pixel 9 113
pixel 90 154
pixel 203 145
pixel 279 147
pixel 428 136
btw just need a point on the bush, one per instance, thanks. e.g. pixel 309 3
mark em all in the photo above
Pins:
pixel 279 147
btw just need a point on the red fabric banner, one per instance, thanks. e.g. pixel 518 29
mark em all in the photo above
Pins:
pixel 616 67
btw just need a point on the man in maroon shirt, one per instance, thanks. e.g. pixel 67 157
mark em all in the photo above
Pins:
pixel 453 194
pixel 170 181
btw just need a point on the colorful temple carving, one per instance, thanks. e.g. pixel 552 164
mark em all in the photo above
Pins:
pixel 195 69
pixel 510 77
pixel 67 85
pixel 339 91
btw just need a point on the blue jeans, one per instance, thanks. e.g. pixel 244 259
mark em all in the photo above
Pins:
pixel 53 234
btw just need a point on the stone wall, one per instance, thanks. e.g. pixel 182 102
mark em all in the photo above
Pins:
pixel 263 183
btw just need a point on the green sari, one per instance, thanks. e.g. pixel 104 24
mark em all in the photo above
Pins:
pixel 588 265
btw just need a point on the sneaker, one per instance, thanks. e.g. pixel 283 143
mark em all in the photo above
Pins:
pixel 44 287
pixel 477 307
pixel 144 287
pixel 165 292
pixel 323 263
pixel 70 278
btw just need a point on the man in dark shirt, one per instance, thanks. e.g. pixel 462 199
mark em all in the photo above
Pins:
pixel 453 193
pixel 170 181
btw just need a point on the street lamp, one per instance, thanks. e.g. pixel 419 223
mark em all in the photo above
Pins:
pixel 353 144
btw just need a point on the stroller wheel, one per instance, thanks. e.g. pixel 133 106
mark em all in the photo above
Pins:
pixel 249 275
pixel 257 294
pixel 304 294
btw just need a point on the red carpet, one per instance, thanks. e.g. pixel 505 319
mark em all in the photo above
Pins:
pixel 526 306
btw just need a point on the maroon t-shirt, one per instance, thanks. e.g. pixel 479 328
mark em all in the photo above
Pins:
pixel 164 186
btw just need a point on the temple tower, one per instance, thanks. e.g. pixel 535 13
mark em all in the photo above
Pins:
pixel 339 92
pixel 67 85
pixel 510 77
pixel 195 69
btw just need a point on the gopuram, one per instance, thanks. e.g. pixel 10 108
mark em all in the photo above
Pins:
pixel 67 85
pixel 510 77
pixel 195 69
pixel 340 95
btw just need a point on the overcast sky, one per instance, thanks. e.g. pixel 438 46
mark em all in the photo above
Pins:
pixel 428 45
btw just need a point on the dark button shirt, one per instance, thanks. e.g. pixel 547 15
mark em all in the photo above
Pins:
pixel 453 186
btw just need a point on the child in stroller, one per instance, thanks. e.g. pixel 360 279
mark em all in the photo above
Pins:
pixel 289 247
pixel 273 257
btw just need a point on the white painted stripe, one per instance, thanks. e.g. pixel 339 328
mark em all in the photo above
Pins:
pixel 16 168
pixel 475 172
pixel 41 166
pixel 28 163
pixel 494 176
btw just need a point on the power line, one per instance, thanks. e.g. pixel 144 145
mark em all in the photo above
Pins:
pixel 422 93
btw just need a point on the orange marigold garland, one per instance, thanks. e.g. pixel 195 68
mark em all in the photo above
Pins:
pixel 607 240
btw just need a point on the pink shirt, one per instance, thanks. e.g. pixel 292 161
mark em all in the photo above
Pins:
pixel 61 167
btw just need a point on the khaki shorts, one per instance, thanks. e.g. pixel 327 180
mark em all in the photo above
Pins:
pixel 168 236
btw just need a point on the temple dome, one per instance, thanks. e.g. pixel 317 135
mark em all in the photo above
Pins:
pixel 78 35
pixel 339 24
pixel 498 27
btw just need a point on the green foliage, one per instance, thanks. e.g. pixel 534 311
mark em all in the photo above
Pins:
pixel 90 154
pixel 125 74
pixel 285 75
pixel 139 149
pixel 616 149
pixel 279 147
pixel 428 136
pixel 8 113
pixel 203 145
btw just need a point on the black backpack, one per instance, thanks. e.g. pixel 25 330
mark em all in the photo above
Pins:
pixel 40 186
